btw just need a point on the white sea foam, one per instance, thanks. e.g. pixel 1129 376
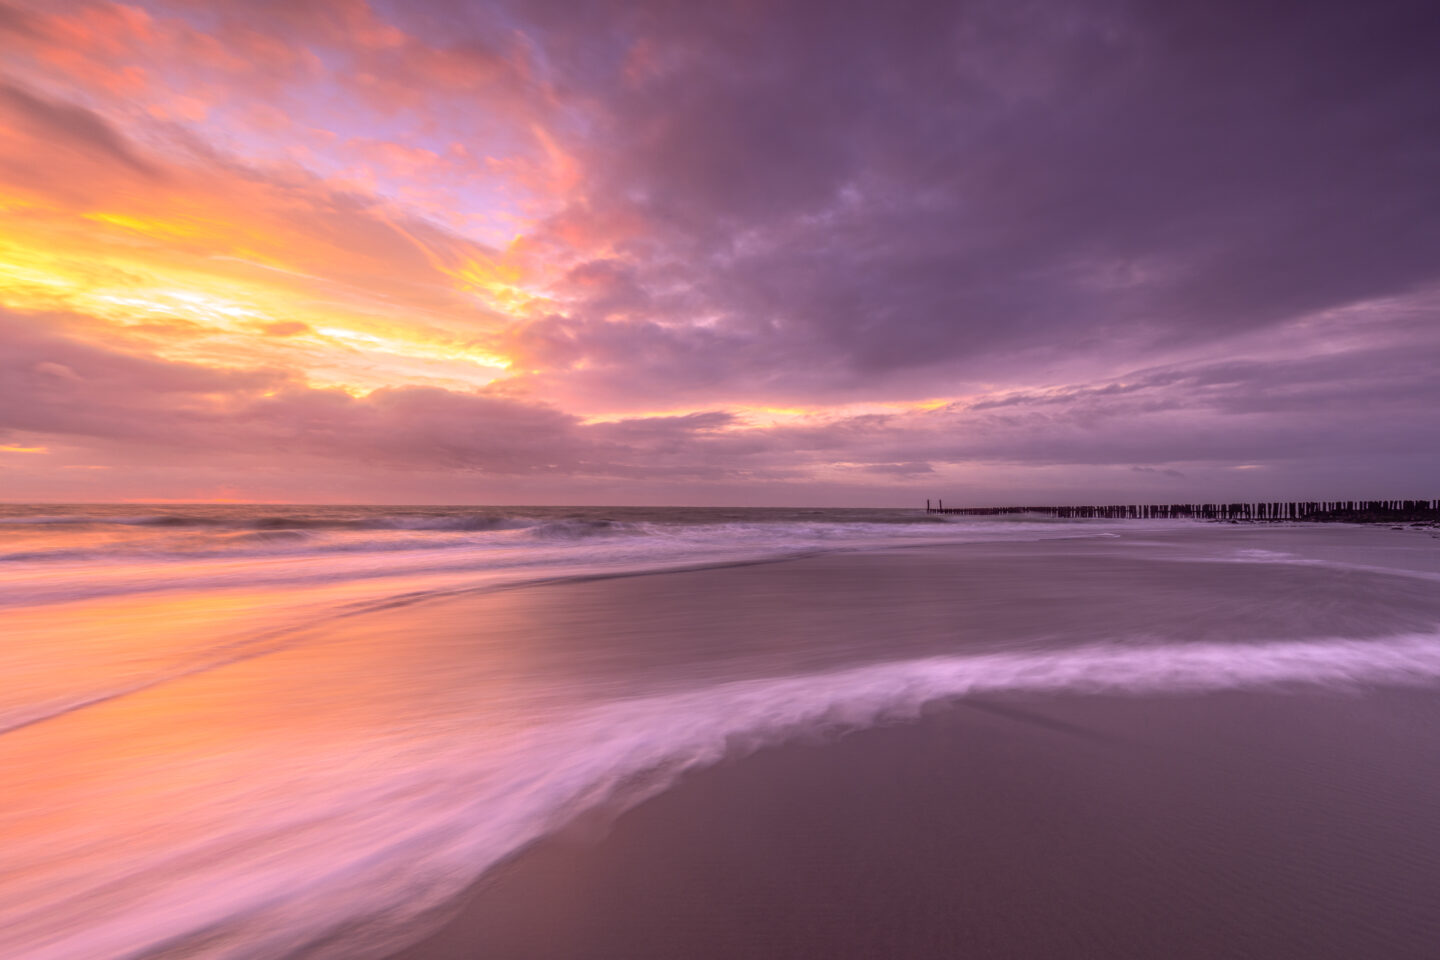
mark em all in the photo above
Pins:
pixel 353 864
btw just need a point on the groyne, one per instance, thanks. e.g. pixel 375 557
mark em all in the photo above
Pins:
pixel 1333 511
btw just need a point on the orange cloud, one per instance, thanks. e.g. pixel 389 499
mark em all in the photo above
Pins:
pixel 182 193
pixel 227 250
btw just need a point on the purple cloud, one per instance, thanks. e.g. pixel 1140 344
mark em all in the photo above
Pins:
pixel 1129 246
pixel 925 192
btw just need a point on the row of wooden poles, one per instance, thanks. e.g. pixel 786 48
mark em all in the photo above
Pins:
pixel 1277 510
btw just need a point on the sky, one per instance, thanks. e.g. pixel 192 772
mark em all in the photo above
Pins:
pixel 753 253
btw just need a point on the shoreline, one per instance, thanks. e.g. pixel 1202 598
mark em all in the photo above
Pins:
pixel 1273 824
pixel 1239 806
pixel 339 787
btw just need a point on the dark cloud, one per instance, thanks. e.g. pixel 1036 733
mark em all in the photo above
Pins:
pixel 867 192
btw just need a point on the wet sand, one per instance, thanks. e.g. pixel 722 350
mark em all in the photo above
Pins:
pixel 1289 823
pixel 1227 825
pixel 1179 741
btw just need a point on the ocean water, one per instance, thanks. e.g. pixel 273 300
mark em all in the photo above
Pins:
pixel 257 731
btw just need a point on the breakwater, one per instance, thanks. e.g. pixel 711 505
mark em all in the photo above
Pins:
pixel 1335 511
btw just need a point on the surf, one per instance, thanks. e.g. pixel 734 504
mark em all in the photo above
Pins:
pixel 391 848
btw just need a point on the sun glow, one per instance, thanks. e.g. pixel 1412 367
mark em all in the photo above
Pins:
pixel 241 309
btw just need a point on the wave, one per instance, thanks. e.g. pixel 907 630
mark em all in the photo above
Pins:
pixel 365 868
pixel 464 523
pixel 460 522
pixel 261 643
pixel 1284 558
pixel 269 536
pixel 485 546
pixel 577 529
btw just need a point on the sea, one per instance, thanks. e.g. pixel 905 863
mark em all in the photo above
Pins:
pixel 258 731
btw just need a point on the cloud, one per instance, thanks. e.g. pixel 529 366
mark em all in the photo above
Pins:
pixel 63 129
pixel 632 240
pixel 913 468
pixel 285 328
pixel 939 191
pixel 1205 416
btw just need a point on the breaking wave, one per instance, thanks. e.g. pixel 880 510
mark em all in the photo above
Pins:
pixel 48 558
pixel 389 849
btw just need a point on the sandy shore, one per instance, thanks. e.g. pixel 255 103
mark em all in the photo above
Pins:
pixel 1279 824
pixel 1228 825
pixel 1162 740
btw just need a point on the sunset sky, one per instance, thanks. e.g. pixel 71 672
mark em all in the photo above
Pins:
pixel 751 252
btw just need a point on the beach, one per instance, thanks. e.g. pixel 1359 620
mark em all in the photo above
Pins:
pixel 670 735
pixel 1223 825
pixel 1272 824
pixel 513 480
